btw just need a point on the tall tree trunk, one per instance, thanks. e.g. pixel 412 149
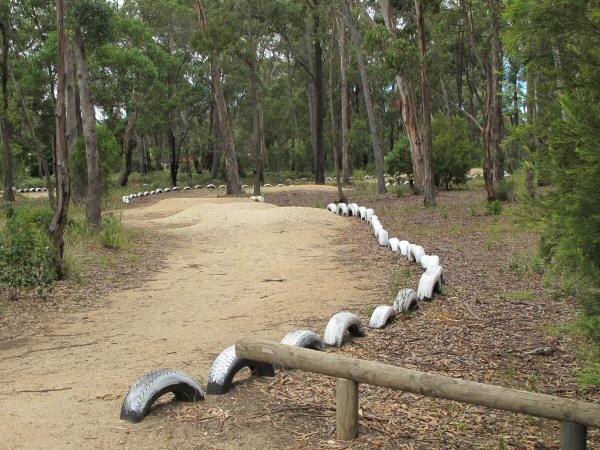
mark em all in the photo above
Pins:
pixel 535 144
pixel 173 159
pixel 59 220
pixel 490 105
pixel 345 102
pixel 9 194
pixel 45 169
pixel 357 39
pixel 341 196
pixel 131 120
pixel 459 70
pixel 408 110
pixel 428 178
pixel 142 155
pixel 72 104
pixel 319 95
pixel 497 118
pixel 93 210
pixel 256 144
pixel 218 145
pixel 231 167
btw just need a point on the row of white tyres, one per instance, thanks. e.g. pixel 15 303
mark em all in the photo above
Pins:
pixel 150 387
pixel 432 279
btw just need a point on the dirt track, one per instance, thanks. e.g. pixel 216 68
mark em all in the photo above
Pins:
pixel 241 268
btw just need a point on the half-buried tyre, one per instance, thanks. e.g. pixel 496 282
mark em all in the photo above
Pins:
pixel 406 300
pixel 332 207
pixel 339 324
pixel 352 210
pixel 362 211
pixel 431 281
pixel 415 252
pixel 227 365
pixel 382 237
pixel 382 315
pixel 394 245
pixel 153 386
pixel 342 209
pixel 404 245
pixel 304 339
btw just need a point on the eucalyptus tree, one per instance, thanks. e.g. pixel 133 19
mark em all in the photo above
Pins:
pixel 92 22
pixel 357 40
pixel 5 30
pixel 231 165
pixel 483 27
pixel 63 193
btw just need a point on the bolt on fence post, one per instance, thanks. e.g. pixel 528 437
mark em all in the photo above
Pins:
pixel 573 436
pixel 346 395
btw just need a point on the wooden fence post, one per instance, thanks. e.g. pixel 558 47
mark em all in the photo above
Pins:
pixel 346 397
pixel 573 436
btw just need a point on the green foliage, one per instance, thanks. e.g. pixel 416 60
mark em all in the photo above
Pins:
pixel 94 18
pixel 451 150
pixel 400 190
pixel 494 208
pixel 398 160
pixel 113 236
pixel 25 259
pixel 505 190
pixel 110 160
pixel 360 142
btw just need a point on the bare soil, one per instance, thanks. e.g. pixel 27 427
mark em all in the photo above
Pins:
pixel 234 268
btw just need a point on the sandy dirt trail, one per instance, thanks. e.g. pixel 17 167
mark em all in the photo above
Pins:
pixel 240 268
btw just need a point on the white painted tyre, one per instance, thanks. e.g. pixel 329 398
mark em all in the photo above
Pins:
pixel 382 315
pixel 415 252
pixel 362 211
pixel 175 188
pixel 430 261
pixel 187 188
pixel 353 209
pixel 342 209
pixel 226 365
pixel 253 198
pixel 370 214
pixel 267 185
pixel 211 186
pixel 394 244
pixel 167 189
pixel 260 199
pixel 431 281
pixel 159 191
pixel 332 207
pixel 281 185
pixel 376 227
pixel 404 245
pixel 329 179
pixel 406 300
pixel 222 186
pixel 304 339
pixel 339 324
pixel 150 387
pixel 382 237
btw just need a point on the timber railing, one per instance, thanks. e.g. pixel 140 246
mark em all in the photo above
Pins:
pixel 574 415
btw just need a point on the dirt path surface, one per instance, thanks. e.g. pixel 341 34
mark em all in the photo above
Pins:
pixel 240 268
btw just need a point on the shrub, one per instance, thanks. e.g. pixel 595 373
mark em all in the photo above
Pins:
pixel 113 235
pixel 110 161
pixel 398 160
pixel 25 259
pixel 505 190
pixel 494 208
pixel 451 150
pixel 400 190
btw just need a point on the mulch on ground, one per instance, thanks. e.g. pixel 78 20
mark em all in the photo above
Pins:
pixel 497 322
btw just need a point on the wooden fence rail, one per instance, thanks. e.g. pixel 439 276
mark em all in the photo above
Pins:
pixel 575 415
